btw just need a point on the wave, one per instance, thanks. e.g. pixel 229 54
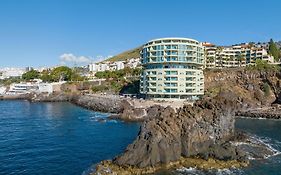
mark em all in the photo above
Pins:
pixel 270 145
pixel 195 171
pixel 264 142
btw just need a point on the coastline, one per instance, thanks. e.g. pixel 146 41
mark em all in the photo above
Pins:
pixel 107 167
pixel 132 110
pixel 273 112
pixel 124 109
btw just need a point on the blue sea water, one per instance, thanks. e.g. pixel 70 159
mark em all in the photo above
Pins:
pixel 57 138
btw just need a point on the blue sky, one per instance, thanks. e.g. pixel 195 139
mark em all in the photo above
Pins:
pixel 38 32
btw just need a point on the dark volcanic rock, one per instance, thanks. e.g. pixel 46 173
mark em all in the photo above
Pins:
pixel 108 104
pixel 55 97
pixel 203 129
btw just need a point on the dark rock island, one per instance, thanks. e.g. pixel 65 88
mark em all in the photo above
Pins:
pixel 198 135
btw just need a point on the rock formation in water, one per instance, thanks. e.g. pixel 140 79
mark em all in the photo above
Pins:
pixel 203 129
pixel 108 104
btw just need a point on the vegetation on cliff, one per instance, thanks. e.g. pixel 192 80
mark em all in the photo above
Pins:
pixel 9 81
pixel 274 50
pixel 262 65
pixel 30 75
pixel 59 73
pixel 133 53
pixel 120 81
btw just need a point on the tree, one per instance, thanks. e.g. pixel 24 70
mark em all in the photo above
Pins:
pixel 61 73
pixel 30 75
pixel 273 50
pixel 45 76
pixel 76 74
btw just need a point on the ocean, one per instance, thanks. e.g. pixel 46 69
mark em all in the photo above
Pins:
pixel 57 138
pixel 64 139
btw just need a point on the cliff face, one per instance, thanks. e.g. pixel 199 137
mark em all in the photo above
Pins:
pixel 249 88
pixel 199 130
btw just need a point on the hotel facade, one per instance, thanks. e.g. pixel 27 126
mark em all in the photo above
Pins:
pixel 172 69
pixel 235 56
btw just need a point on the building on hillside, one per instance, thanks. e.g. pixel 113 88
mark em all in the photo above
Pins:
pixel 11 72
pixel 117 65
pixel 133 63
pixel 235 56
pixel 172 69
pixel 113 66
pixel 210 54
pixel 100 67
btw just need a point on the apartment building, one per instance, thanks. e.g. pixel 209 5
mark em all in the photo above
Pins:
pixel 172 69
pixel 235 56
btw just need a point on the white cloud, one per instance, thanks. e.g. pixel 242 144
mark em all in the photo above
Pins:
pixel 69 57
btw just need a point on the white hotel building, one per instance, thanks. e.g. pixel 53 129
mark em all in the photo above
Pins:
pixel 172 69
pixel 235 56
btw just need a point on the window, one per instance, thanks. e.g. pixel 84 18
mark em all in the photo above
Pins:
pixel 171 78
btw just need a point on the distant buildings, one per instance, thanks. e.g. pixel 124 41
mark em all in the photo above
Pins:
pixel 34 86
pixel 172 69
pixel 115 65
pixel 11 72
pixel 236 55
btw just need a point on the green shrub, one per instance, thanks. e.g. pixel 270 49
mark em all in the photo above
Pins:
pixel 266 89
pixel 262 65
pixel 100 88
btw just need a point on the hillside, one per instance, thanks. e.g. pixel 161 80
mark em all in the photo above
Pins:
pixel 133 53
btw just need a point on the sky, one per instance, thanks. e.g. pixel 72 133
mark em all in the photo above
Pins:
pixel 41 33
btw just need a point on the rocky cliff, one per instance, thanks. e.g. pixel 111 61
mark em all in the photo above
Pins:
pixel 110 104
pixel 250 88
pixel 203 129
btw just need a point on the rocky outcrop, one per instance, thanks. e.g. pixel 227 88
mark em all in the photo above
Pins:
pixel 109 168
pixel 102 103
pixel 272 112
pixel 253 88
pixel 109 104
pixel 15 97
pixel 203 129
pixel 201 136
pixel 130 112
pixel 55 97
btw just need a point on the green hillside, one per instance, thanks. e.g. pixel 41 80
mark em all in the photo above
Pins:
pixel 133 53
